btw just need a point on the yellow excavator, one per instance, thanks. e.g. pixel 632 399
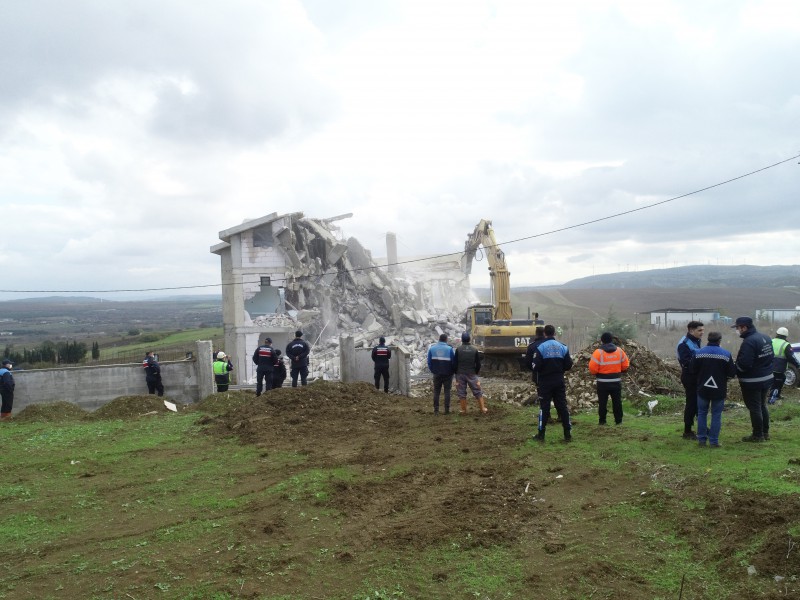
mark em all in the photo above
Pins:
pixel 502 339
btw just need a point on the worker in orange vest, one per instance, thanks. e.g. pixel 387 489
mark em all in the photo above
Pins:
pixel 607 364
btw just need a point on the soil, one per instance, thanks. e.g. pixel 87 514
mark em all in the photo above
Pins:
pixel 479 492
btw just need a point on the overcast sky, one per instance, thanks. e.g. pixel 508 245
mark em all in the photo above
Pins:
pixel 131 133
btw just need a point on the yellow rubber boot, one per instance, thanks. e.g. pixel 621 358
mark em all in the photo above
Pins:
pixel 482 405
pixel 463 403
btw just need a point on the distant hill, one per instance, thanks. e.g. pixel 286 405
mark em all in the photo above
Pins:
pixel 696 276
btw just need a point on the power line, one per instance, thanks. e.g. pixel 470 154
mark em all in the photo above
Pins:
pixel 435 256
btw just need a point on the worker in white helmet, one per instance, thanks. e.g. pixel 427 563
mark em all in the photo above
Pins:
pixel 783 356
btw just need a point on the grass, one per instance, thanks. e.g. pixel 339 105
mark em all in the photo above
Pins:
pixel 180 339
pixel 154 508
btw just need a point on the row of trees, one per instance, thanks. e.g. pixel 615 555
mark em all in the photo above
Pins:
pixel 55 353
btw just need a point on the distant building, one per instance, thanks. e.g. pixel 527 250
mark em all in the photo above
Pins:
pixel 667 318
pixel 779 315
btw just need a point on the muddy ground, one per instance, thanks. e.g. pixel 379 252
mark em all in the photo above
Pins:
pixel 425 480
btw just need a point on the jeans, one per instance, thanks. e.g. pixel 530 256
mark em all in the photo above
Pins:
pixel 703 431
pixel 439 382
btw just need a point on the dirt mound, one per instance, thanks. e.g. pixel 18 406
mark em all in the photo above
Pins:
pixel 128 407
pixel 53 412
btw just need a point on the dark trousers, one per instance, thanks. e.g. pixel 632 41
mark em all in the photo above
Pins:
pixel 555 393
pixel 755 399
pixel 154 385
pixel 382 372
pixel 222 387
pixel 8 400
pixel 614 391
pixel 302 372
pixel 263 379
pixel 778 380
pixel 690 408
pixel 439 382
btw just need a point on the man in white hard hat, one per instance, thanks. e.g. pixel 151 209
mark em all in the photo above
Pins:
pixel 783 356
pixel 222 369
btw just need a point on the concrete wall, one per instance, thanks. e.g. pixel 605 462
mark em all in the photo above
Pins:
pixel 185 381
pixel 356 365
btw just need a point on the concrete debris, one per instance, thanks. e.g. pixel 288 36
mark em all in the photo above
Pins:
pixel 335 287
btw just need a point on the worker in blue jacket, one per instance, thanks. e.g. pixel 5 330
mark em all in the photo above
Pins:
pixel 712 366
pixel 686 348
pixel 550 361
pixel 442 363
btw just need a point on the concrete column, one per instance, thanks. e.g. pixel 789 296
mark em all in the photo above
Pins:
pixel 348 366
pixel 391 251
pixel 205 369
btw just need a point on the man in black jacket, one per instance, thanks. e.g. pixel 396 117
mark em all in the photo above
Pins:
pixel 152 374
pixel 551 360
pixel 381 355
pixel 754 369
pixel 264 359
pixel 298 351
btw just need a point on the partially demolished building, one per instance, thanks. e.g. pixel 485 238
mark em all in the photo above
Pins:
pixel 284 272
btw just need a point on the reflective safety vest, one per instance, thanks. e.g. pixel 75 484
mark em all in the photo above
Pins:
pixel 779 348
pixel 607 366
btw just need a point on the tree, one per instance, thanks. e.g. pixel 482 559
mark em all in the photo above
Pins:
pixel 95 350
pixel 621 328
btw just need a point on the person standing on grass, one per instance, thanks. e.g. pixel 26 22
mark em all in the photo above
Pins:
pixel 711 366
pixel 783 356
pixel 687 346
pixel 754 369
pixel 6 390
pixel 551 360
pixel 381 355
pixel 222 368
pixel 607 364
pixel 298 351
pixel 442 363
pixel 468 367
pixel 152 374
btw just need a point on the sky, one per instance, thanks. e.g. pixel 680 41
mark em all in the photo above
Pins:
pixel 132 133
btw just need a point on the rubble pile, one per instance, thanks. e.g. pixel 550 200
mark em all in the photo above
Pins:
pixel 334 287
pixel 648 374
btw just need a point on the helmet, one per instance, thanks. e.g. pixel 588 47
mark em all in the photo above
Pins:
pixel 782 331
pixel 220 355
pixel 465 338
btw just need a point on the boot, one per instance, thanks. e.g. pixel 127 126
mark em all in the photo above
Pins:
pixel 482 405
pixel 463 403
pixel 5 416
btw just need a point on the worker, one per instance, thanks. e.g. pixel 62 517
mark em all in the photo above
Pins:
pixel 381 355
pixel 687 346
pixel 442 363
pixel 298 351
pixel 263 358
pixel 607 364
pixel 712 366
pixel 6 390
pixel 468 367
pixel 754 369
pixel 783 356
pixel 222 368
pixel 278 370
pixel 551 360
pixel 537 339
pixel 152 374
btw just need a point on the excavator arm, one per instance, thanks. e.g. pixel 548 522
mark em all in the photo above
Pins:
pixel 483 235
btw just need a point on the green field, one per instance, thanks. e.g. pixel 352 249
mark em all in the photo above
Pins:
pixel 337 491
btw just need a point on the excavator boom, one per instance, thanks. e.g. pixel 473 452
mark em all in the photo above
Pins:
pixel 483 236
